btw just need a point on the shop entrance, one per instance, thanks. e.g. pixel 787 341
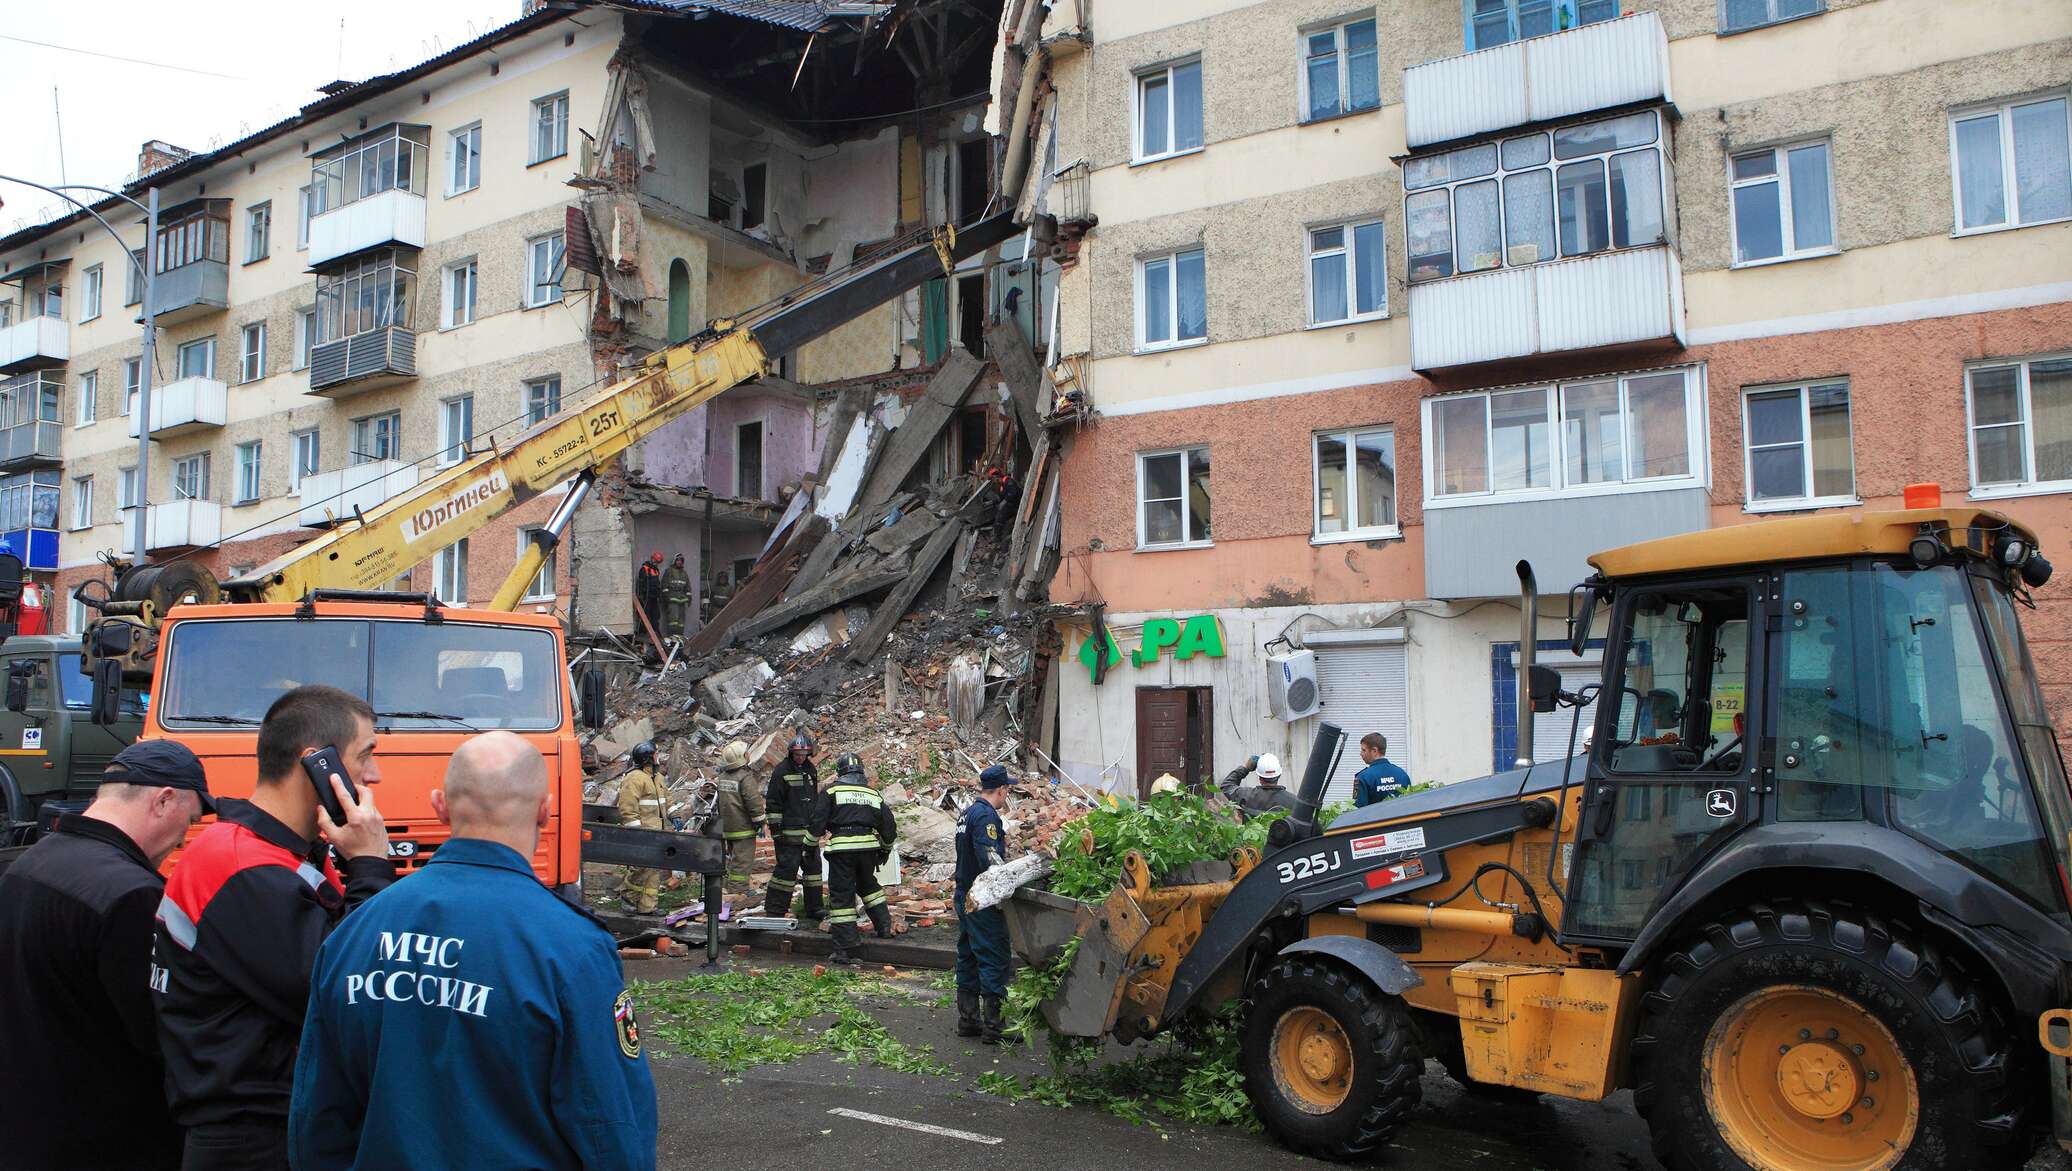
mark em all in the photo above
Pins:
pixel 1174 735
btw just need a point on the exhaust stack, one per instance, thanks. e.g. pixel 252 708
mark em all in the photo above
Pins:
pixel 1528 644
pixel 1322 751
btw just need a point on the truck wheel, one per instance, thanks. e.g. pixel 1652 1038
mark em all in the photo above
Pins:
pixel 1331 1064
pixel 1818 1037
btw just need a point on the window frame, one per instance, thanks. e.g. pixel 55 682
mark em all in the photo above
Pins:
pixel 1809 500
pixel 181 466
pixel 131 386
pixel 449 318
pixel 551 402
pixel 259 231
pixel 557 262
pixel 1174 341
pixel 1144 545
pixel 86 407
pixel 1786 206
pixel 2028 485
pixel 546 571
pixel 298 469
pixel 1726 30
pixel 1351 253
pixel 251 362
pixel 1695 440
pixel 1337 29
pixel 181 350
pixel 305 338
pixel 762 475
pixel 2010 190
pixel 458 139
pixel 1555 8
pixel 82 516
pixel 92 284
pixel 365 427
pixel 557 102
pixel 305 211
pixel 1164 69
pixel 452 449
pixel 133 277
pixel 1350 435
pixel 249 469
pixel 451 562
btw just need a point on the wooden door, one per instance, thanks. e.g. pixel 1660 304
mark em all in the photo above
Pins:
pixel 1162 734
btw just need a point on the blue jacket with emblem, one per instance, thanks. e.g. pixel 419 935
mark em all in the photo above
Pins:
pixel 981 844
pixel 467 1017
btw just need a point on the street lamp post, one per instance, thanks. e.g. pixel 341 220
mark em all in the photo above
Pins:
pixel 144 269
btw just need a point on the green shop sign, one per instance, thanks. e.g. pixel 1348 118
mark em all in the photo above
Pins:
pixel 1188 637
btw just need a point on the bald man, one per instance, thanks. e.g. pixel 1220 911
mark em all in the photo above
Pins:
pixel 466 1017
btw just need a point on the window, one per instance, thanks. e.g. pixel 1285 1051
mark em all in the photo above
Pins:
pixel 191 477
pixel 126 488
pixel 2021 425
pixel 541 587
pixel 1356 483
pixel 1168 111
pixel 1799 451
pixel 755 183
pixel 202 235
pixel 82 502
pixel 308 449
pixel 550 127
pixel 90 293
pixel 305 208
pixel 1736 15
pixel 748 460
pixel 459 308
pixel 6 314
pixel 252 365
pixel 247 472
pixel 54 300
pixel 1173 295
pixel 89 399
pixel 378 437
pixel 132 383
pixel 305 337
pixel 450 573
pixel 2012 164
pixel 1173 498
pixel 1499 22
pixel 456 428
pixel 197 359
pixel 543 270
pixel 1348 272
pixel 1341 70
pixel 258 231
pixel 133 279
pixel 542 398
pixel 1782 205
pixel 391 158
pixel 1528 199
pixel 464 159
pixel 1587 436
pixel 368 294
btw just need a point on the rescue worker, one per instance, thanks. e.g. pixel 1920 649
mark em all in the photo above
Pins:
pixel 718 596
pixel 1007 492
pixel 643 799
pixel 676 598
pixel 791 797
pixel 860 832
pixel 1268 794
pixel 647 590
pixel 742 817
pixel 1380 778
pixel 468 1017
pixel 981 935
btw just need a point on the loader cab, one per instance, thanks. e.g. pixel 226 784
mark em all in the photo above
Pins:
pixel 1881 690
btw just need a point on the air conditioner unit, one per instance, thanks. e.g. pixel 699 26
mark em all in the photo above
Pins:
pixel 1291 685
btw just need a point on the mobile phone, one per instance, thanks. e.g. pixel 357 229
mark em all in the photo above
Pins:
pixel 322 764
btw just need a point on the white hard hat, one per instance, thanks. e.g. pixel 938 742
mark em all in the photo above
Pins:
pixel 1269 765
pixel 1166 783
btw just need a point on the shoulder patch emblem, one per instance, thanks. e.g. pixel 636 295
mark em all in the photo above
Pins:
pixel 993 831
pixel 627 1028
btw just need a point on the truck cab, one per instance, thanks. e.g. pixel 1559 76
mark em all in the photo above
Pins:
pixel 51 751
pixel 433 675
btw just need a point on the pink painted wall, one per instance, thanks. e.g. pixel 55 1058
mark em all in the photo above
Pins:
pixel 791 443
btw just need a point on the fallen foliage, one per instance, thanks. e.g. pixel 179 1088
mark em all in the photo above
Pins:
pixel 1169 829
pixel 735 1020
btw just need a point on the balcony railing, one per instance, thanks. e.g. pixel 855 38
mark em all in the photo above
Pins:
pixel 29 426
pixel 37 547
pixel 196 288
pixel 328 496
pixel 1595 67
pixel 35 341
pixel 364 361
pixel 389 217
pixel 1591 302
pixel 178 524
pixel 188 405
pixel 369 192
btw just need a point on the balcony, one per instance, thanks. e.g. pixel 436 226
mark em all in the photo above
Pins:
pixel 1633 296
pixel 180 524
pixel 35 341
pixel 188 405
pixel 1595 67
pixel 29 427
pixel 387 217
pixel 38 548
pixel 326 495
pixel 364 361
pixel 192 290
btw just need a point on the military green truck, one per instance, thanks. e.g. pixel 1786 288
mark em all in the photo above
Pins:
pixel 51 751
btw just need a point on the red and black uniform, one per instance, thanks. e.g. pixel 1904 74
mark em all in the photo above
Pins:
pixel 238 931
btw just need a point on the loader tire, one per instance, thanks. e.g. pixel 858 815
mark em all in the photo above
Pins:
pixel 1331 1063
pixel 1803 1034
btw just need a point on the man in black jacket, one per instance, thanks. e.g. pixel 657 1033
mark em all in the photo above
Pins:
pixel 860 832
pixel 790 798
pixel 81 1083
pixel 253 898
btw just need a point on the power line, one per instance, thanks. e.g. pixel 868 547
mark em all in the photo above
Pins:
pixel 114 57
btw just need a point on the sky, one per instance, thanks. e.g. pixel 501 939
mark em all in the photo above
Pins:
pixel 198 74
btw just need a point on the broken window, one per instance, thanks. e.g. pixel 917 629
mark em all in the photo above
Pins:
pixel 544 257
pixel 754 189
pixel 1173 497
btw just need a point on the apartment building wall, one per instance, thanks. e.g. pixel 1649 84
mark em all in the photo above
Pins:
pixel 1897 311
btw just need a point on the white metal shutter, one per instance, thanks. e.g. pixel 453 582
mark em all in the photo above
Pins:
pixel 1550 730
pixel 1365 688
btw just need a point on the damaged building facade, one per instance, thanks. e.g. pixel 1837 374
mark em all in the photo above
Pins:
pixel 1374 302
pixel 429 261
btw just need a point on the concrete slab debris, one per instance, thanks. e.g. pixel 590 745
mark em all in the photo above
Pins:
pixel 728 693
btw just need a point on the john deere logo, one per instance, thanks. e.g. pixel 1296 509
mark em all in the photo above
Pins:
pixel 1721 803
pixel 1199 635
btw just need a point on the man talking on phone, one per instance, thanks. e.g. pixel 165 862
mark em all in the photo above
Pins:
pixel 250 902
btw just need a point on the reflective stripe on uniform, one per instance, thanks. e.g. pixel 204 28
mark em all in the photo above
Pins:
pixel 796 835
pixel 842 916
pixel 852 842
pixel 177 924
pixel 874 899
pixel 783 884
pixel 738 834
pixel 813 877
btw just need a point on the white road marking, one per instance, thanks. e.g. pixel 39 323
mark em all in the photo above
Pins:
pixel 923 1127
